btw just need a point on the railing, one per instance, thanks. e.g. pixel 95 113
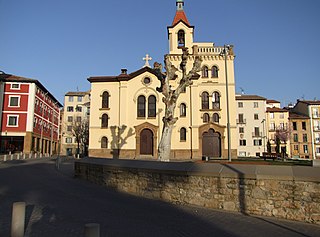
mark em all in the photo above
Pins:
pixel 208 50
pixel 316 128
pixel 257 134
pixel 241 121
pixel 21 156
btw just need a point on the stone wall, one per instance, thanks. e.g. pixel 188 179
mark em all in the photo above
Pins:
pixel 284 192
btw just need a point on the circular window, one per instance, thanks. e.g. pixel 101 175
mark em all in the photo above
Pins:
pixel 146 80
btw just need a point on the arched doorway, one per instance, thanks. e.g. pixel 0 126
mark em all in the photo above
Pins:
pixel 146 142
pixel 211 144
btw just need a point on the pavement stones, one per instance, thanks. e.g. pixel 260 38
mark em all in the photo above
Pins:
pixel 59 205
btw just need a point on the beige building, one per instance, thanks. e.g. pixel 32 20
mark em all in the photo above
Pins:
pixel 311 110
pixel 300 139
pixel 76 110
pixel 251 125
pixel 277 120
pixel 126 110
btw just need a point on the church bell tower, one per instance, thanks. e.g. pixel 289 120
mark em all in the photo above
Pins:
pixel 180 33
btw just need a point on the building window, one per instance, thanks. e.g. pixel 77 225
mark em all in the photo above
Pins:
pixel 205 100
pixel 183 110
pixel 141 106
pixel 281 115
pixel 240 104
pixel 104 121
pixel 104 142
pixel 70 98
pixel 256 132
pixel 70 119
pixel 146 81
pixel 294 126
pixel 69 128
pixel 214 71
pixel 243 142
pixel 70 109
pixel 255 105
pixel 272 127
pixel 12 120
pixel 78 109
pixel 215 100
pixel 68 139
pixel 296 147
pixel 241 119
pixel 256 116
pixel 152 106
pixel 304 126
pixel 15 86
pixel 257 142
pixel 305 138
pixel 271 115
pixel 14 101
pixel 215 118
pixel 79 99
pixel 105 100
pixel 241 129
pixel 181 38
pixel 305 149
pixel 295 137
pixel 183 134
pixel 206 118
pixel 205 72
pixel 78 119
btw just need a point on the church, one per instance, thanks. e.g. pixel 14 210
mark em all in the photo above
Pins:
pixel 126 110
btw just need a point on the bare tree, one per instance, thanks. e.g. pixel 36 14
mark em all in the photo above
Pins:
pixel 80 130
pixel 171 96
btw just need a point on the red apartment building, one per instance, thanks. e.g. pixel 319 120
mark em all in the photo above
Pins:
pixel 29 116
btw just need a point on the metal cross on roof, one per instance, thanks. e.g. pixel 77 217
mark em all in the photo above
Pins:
pixel 147 59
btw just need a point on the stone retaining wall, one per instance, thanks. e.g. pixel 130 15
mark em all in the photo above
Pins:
pixel 285 192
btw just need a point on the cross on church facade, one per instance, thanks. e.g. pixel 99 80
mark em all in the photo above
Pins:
pixel 147 59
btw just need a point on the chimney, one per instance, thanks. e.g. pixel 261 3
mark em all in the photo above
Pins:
pixel 124 71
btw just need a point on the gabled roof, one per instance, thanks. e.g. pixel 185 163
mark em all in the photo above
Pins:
pixel 310 102
pixel 272 101
pixel 13 78
pixel 294 115
pixel 122 76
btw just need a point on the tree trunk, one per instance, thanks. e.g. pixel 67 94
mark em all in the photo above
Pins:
pixel 164 148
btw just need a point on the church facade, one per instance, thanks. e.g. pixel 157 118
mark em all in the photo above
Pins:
pixel 126 110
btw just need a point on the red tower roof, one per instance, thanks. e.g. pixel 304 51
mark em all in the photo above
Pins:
pixel 180 16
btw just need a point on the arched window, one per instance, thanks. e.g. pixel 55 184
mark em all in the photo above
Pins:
pixel 105 100
pixel 181 38
pixel 205 72
pixel 205 100
pixel 183 110
pixel 152 107
pixel 141 110
pixel 104 121
pixel 215 118
pixel 183 134
pixel 104 142
pixel 215 100
pixel 206 118
pixel 214 72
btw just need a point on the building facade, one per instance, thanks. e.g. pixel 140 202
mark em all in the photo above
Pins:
pixel 277 120
pixel 251 125
pixel 311 130
pixel 75 114
pixel 29 116
pixel 127 111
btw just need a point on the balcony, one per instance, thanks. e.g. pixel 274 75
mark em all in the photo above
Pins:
pixel 241 121
pixel 316 128
pixel 257 134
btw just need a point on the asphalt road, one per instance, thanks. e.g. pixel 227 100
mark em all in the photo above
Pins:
pixel 59 206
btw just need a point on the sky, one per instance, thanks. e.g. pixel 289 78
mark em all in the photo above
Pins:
pixel 63 42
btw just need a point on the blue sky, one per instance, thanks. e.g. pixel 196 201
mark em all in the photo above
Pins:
pixel 63 42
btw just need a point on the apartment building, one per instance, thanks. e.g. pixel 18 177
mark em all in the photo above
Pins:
pixel 251 125
pixel 75 115
pixel 29 116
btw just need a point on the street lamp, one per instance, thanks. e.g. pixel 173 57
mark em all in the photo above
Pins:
pixel 225 53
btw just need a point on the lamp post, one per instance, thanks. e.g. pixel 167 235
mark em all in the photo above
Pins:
pixel 225 53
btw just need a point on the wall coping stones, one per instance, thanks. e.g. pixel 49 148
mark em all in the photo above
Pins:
pixel 248 171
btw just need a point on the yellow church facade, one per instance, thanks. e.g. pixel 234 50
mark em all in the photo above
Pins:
pixel 126 110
